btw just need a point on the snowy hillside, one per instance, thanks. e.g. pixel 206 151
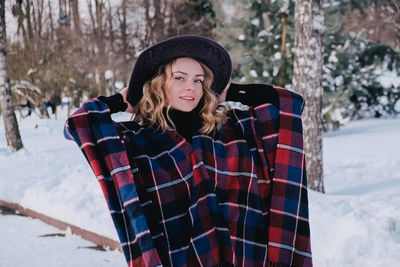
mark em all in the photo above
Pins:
pixel 356 223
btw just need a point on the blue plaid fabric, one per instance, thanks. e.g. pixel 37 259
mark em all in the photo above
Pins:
pixel 236 198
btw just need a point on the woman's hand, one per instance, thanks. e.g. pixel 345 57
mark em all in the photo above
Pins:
pixel 124 93
pixel 222 96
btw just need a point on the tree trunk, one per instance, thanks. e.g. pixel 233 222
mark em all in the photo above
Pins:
pixel 51 22
pixel 7 108
pixel 123 26
pixel 101 54
pixel 20 19
pixel 75 14
pixel 307 80
pixel 282 72
pixel 28 19
pixel 111 36
pixel 34 21
pixel 40 18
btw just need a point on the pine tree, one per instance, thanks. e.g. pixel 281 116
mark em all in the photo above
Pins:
pixel 260 38
pixel 352 69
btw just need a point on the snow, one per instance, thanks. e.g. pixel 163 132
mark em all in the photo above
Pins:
pixel 21 84
pixel 339 80
pixel 397 106
pixel 119 85
pixel 255 22
pixel 277 55
pixel 24 243
pixel 332 57
pixel 356 223
pixel 263 33
pixel 108 74
pixel 389 79
pixel 51 176
pixel 253 73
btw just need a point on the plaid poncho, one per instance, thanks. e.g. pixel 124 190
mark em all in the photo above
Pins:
pixel 237 198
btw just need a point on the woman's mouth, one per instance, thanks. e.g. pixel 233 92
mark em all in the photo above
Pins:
pixel 188 98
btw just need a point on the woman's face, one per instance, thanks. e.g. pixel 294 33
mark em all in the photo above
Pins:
pixel 184 89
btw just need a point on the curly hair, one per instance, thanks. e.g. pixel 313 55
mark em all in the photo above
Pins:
pixel 151 105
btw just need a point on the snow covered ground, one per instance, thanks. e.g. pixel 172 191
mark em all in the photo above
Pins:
pixel 356 223
pixel 30 242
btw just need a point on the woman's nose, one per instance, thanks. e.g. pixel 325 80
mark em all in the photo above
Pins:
pixel 190 85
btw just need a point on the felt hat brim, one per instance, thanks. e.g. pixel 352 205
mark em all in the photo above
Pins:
pixel 212 54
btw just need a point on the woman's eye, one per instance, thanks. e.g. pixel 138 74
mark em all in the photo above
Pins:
pixel 179 78
pixel 198 81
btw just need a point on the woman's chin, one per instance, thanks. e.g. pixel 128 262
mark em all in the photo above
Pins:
pixel 184 108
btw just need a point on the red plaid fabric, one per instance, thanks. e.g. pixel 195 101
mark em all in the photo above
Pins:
pixel 237 198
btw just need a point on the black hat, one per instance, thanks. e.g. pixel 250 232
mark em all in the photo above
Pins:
pixel 212 54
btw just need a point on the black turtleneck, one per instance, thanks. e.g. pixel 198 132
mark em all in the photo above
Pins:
pixel 187 124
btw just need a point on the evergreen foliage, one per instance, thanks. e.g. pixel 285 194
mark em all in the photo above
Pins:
pixel 257 35
pixel 353 71
pixel 353 65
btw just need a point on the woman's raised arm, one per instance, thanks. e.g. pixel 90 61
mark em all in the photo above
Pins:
pixel 118 102
pixel 130 108
pixel 251 94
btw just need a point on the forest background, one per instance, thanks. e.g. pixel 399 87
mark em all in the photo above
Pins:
pixel 82 49
pixel 67 51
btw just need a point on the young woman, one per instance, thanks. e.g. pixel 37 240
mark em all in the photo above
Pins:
pixel 189 183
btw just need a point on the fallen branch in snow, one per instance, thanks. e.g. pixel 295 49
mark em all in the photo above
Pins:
pixel 85 234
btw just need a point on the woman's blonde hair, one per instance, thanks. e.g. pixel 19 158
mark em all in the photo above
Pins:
pixel 151 105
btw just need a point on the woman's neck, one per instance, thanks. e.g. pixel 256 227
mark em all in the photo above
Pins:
pixel 186 124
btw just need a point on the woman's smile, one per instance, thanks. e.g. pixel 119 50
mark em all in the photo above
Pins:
pixel 187 98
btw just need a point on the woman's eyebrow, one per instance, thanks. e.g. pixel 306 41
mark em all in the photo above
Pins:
pixel 182 72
